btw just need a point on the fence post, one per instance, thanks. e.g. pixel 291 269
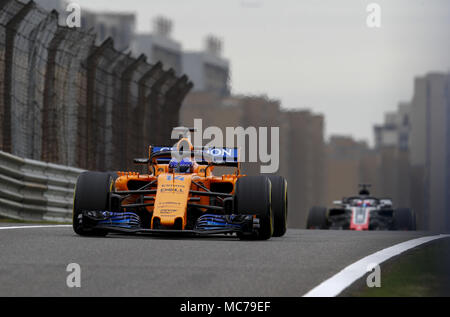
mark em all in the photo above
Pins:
pixel 156 96
pixel 173 100
pixel 11 30
pixel 132 122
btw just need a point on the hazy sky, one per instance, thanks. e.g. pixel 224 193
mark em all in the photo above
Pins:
pixel 315 54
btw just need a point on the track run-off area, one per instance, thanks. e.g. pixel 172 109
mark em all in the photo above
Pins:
pixel 34 260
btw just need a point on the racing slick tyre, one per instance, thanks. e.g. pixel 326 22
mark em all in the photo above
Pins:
pixel 317 218
pixel 404 219
pixel 253 196
pixel 279 205
pixel 91 193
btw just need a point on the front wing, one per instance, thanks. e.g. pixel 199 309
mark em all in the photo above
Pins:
pixel 207 224
pixel 377 219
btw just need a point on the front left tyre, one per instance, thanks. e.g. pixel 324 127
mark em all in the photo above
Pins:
pixel 91 194
pixel 253 196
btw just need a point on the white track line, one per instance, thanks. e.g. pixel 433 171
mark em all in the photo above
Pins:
pixel 35 227
pixel 337 283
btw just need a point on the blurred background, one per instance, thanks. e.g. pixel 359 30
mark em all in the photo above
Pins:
pixel 354 104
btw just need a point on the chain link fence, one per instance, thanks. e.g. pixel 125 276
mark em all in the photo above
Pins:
pixel 65 100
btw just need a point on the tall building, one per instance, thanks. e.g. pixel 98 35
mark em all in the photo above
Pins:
pixel 212 109
pixel 302 162
pixel 232 111
pixel 392 140
pixel 117 25
pixel 208 70
pixel 159 45
pixel 430 150
pixel 348 164
pixel 258 112
pixel 396 128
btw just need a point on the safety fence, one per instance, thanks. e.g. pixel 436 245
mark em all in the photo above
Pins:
pixel 35 191
pixel 67 101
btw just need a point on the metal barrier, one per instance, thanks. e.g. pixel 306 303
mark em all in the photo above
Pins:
pixel 36 191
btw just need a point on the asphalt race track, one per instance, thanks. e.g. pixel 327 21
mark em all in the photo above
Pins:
pixel 33 262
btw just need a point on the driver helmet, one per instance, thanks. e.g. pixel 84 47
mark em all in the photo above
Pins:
pixel 184 166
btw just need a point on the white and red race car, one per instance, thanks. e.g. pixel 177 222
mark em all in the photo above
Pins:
pixel 360 213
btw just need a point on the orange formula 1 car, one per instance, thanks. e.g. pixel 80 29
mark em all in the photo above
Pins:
pixel 180 195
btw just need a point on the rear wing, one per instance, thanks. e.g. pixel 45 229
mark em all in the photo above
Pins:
pixel 203 156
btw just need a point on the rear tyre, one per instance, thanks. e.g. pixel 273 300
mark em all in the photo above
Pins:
pixel 317 218
pixel 91 193
pixel 279 205
pixel 253 197
pixel 404 219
